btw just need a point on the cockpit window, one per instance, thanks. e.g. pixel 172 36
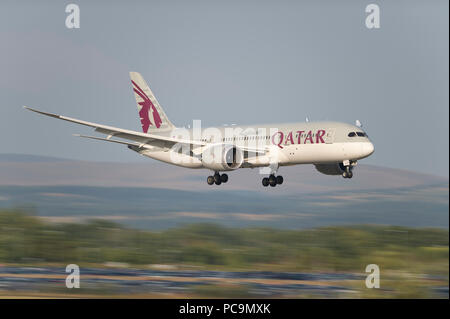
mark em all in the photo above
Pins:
pixel 360 134
pixel 353 134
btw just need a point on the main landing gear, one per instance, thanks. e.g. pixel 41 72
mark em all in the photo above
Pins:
pixel 272 180
pixel 217 179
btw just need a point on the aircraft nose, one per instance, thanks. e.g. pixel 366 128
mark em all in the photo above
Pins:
pixel 368 149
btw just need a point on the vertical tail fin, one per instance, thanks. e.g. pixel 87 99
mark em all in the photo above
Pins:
pixel 153 118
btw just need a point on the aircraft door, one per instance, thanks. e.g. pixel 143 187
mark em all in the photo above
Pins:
pixel 329 136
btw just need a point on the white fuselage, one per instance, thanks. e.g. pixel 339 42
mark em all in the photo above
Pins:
pixel 287 144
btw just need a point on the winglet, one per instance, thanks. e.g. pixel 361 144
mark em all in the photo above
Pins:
pixel 40 112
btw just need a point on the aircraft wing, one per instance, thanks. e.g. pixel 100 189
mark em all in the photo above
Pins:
pixel 140 138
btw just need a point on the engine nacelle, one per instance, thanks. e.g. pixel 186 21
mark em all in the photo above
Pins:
pixel 330 169
pixel 222 157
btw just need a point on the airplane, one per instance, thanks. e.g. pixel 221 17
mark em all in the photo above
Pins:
pixel 332 147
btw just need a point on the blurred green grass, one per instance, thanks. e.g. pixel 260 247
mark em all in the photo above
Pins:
pixel 413 261
pixel 25 238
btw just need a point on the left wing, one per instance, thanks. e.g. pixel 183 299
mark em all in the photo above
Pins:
pixel 141 138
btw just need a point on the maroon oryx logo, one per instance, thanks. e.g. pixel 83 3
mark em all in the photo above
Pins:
pixel 147 107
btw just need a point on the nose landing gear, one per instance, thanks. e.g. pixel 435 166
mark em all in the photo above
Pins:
pixel 217 179
pixel 272 180
pixel 347 172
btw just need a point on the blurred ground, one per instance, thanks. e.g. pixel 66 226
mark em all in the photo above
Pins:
pixel 49 282
pixel 176 237
pixel 208 260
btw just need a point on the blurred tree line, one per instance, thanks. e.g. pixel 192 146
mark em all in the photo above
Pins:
pixel 25 238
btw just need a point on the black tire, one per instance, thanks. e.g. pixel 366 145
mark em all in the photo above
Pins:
pixel 224 178
pixel 350 174
pixel 210 180
pixel 272 179
pixel 265 182
pixel 217 179
pixel 345 175
pixel 218 182
pixel 280 179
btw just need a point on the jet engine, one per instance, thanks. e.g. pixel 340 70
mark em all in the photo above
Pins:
pixel 331 168
pixel 222 157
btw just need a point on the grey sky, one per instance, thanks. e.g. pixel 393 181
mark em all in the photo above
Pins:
pixel 228 62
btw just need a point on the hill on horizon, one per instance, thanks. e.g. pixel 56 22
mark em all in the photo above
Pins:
pixel 160 196
pixel 32 170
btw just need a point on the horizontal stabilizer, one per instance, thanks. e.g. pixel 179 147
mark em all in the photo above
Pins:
pixel 114 141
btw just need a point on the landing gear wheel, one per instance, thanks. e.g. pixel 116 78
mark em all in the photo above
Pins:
pixel 224 178
pixel 348 172
pixel 279 179
pixel 217 179
pixel 272 180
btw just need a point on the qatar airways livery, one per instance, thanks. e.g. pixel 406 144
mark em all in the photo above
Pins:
pixel 332 147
